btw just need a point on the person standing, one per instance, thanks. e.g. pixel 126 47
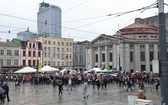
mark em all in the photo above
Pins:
pixel 129 85
pixel 69 84
pixel 6 88
pixel 60 88
pixel 85 87
pixel 157 84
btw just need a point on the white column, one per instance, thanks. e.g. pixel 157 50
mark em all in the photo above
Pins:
pixel 99 56
pixel 137 57
pixel 126 62
pixel 155 52
pixel 27 54
pixel 114 56
pixel 147 59
pixel 87 59
pixel 106 57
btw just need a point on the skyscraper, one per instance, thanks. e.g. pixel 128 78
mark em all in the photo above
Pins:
pixel 49 20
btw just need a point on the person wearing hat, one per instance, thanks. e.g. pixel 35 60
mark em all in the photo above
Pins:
pixel 141 95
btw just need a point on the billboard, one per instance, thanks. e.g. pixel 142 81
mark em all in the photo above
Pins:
pixel 155 66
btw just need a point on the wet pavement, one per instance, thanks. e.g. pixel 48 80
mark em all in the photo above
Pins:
pixel 48 95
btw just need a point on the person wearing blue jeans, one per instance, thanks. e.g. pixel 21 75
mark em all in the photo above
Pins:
pixel 85 87
pixel 69 84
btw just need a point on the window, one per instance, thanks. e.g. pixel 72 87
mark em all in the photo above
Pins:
pixel 54 63
pixel 49 63
pixel 142 56
pixel 96 57
pixel 142 67
pixel 1 62
pixel 62 49
pixel 29 53
pixel 62 63
pixel 131 56
pixel 24 53
pixel 2 52
pixel 58 63
pixel 48 48
pixel 58 43
pixel 9 62
pixel 67 49
pixel 29 63
pixel 111 57
pixel 58 49
pixel 9 52
pixel 62 43
pixel 45 42
pixel 151 56
pixel 58 56
pixel 24 62
pixel 16 62
pixel 70 44
pixel 39 54
pixel 49 42
pixel 16 52
pixel 45 62
pixel 62 56
pixel 54 43
pixel 34 63
pixel 70 56
pixel 34 54
pixel 67 43
pixel 103 57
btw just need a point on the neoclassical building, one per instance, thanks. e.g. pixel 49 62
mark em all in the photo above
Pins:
pixel 133 48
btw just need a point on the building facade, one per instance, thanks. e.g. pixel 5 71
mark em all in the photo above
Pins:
pixel 26 35
pixel 29 54
pixel 49 20
pixel 10 59
pixel 137 50
pixel 57 52
pixel 153 21
pixel 80 55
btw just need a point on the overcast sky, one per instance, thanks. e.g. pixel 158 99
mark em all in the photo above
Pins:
pixel 91 16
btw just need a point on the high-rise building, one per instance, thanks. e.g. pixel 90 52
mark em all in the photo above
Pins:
pixel 49 20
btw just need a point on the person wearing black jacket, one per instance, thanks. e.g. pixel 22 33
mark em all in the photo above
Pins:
pixel 6 88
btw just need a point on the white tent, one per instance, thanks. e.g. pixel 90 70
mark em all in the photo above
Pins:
pixel 96 70
pixel 48 69
pixel 26 70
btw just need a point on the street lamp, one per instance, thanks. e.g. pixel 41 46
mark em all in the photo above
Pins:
pixel 118 51
pixel 37 63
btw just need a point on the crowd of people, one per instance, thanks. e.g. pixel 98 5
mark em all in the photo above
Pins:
pixel 97 80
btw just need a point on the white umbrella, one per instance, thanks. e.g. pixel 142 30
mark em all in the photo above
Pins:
pixel 48 69
pixel 26 70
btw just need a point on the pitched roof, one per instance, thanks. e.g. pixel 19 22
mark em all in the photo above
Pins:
pixel 138 28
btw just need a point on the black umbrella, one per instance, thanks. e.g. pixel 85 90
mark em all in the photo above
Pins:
pixel 2 91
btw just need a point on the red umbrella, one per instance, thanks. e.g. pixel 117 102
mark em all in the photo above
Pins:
pixel 133 75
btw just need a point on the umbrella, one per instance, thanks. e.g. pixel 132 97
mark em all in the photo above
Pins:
pixel 114 75
pixel 48 69
pixel 26 70
pixel 2 91
pixel 133 75
pixel 106 70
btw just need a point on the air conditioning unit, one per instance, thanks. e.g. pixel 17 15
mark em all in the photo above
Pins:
pixel 143 102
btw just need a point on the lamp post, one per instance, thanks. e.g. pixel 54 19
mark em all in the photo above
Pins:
pixel 163 54
pixel 118 51
pixel 37 41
